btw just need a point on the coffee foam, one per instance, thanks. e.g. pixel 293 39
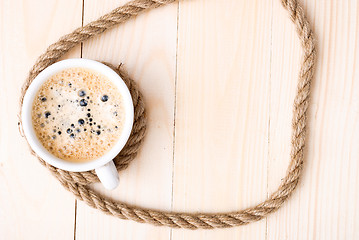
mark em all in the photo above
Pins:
pixel 78 115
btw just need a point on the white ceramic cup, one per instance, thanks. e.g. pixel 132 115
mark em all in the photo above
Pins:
pixel 104 166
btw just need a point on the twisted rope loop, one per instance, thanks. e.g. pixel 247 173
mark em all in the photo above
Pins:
pixel 77 183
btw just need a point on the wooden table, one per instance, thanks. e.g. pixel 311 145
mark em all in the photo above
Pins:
pixel 219 78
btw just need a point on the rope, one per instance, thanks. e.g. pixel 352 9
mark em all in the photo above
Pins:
pixel 78 183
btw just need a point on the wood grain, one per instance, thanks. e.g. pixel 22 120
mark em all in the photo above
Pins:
pixel 33 204
pixel 147 48
pixel 219 81
pixel 325 205
pixel 222 111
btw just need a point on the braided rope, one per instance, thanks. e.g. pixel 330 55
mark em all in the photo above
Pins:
pixel 77 183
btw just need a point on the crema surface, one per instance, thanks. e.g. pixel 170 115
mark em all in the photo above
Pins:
pixel 78 114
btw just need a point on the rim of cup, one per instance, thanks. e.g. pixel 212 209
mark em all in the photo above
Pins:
pixel 31 93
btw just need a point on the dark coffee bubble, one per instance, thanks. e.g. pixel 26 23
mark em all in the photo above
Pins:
pixel 98 132
pixel 47 114
pixel 59 132
pixel 43 99
pixel 72 135
pixel 99 126
pixel 69 130
pixel 81 121
pixel 82 93
pixel 83 103
pixel 89 115
pixel 104 98
pixel 72 125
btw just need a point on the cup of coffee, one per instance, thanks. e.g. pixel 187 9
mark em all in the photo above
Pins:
pixel 77 115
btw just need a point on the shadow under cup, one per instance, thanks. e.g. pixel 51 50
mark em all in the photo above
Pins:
pixel 103 164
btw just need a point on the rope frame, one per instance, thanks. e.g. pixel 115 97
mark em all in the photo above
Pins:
pixel 78 183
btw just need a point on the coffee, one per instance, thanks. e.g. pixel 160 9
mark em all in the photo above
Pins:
pixel 78 114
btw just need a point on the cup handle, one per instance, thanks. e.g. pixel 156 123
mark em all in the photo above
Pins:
pixel 108 175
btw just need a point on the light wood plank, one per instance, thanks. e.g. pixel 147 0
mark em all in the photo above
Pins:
pixel 325 205
pixel 147 48
pixel 221 143
pixel 33 204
